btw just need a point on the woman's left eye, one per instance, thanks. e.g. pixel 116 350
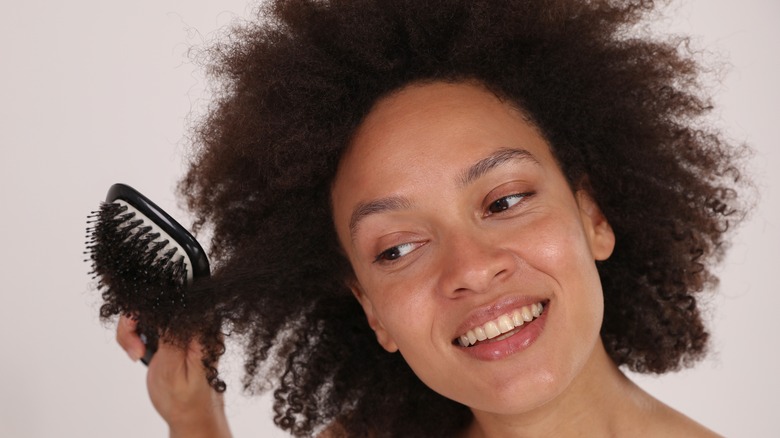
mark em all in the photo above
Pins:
pixel 505 203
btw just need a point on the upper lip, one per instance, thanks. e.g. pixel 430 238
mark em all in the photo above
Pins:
pixel 489 312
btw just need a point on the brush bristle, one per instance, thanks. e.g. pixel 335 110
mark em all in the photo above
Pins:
pixel 136 274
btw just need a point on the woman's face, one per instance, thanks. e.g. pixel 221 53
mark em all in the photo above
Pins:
pixel 459 223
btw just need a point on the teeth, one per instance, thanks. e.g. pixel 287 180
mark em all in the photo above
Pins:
pixel 491 330
pixel 527 315
pixel 472 337
pixel 505 323
pixel 517 318
pixel 501 325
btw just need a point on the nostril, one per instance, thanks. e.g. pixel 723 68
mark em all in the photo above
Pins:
pixel 501 272
pixel 474 264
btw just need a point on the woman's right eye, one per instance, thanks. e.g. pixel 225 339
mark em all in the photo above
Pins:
pixel 396 252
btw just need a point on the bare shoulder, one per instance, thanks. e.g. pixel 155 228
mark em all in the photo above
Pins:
pixel 672 423
pixel 651 417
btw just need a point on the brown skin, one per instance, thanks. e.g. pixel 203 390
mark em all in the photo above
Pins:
pixel 622 114
pixel 590 399
pixel 177 386
pixel 458 257
pixel 452 254
pixel 606 404
pixel 639 414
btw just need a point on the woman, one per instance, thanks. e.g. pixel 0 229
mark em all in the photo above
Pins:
pixel 519 198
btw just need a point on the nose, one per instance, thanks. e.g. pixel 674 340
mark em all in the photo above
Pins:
pixel 474 264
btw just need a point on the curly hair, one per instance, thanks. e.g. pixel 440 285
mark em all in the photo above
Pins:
pixel 623 116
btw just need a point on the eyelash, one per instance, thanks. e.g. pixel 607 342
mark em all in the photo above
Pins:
pixel 393 254
pixel 521 197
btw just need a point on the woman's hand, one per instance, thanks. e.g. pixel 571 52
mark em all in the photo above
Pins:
pixel 177 385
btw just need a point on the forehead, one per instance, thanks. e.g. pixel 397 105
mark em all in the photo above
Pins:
pixel 436 124
pixel 421 134
pixel 420 117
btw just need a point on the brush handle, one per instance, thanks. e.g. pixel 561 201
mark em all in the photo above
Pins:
pixel 151 341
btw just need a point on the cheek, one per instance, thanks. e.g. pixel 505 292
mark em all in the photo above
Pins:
pixel 559 250
pixel 553 246
pixel 403 310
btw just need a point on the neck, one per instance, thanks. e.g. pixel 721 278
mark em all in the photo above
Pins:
pixel 601 401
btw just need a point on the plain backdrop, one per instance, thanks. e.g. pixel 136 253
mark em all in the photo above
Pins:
pixel 96 92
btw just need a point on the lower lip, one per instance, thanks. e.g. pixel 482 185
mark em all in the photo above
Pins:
pixel 516 343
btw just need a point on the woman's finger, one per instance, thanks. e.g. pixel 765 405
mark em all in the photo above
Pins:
pixel 128 339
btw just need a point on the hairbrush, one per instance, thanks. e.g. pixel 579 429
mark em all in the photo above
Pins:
pixel 143 260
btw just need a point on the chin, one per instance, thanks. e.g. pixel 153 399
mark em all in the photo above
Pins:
pixel 526 384
pixel 521 395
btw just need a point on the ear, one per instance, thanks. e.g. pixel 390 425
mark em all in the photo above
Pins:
pixel 600 235
pixel 382 336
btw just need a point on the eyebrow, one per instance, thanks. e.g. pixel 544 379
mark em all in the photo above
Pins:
pixel 501 156
pixel 363 209
pixel 469 175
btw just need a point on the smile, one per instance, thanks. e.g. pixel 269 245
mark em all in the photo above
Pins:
pixel 502 327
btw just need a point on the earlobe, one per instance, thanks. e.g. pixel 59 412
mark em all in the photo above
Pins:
pixel 600 234
pixel 382 336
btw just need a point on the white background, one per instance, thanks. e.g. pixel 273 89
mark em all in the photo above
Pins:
pixel 96 92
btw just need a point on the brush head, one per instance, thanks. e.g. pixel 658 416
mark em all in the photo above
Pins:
pixel 143 261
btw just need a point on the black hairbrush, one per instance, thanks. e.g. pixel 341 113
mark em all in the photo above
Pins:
pixel 143 260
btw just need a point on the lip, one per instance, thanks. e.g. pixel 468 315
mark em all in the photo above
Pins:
pixel 492 311
pixel 522 339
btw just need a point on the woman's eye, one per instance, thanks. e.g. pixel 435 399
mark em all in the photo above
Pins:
pixel 505 203
pixel 396 252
